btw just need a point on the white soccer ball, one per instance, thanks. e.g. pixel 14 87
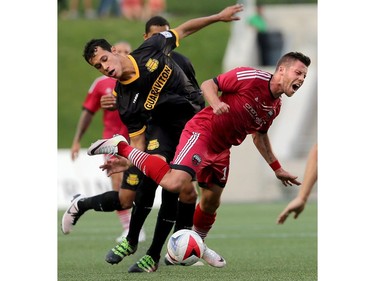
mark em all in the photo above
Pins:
pixel 185 247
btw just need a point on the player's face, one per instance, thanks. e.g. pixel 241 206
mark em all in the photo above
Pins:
pixel 294 76
pixel 155 29
pixel 108 63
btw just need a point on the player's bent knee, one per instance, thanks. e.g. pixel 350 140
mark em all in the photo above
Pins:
pixel 188 194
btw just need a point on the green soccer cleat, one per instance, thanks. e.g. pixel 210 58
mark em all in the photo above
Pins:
pixel 145 264
pixel 120 251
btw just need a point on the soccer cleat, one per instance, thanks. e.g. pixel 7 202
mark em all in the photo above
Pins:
pixel 169 261
pixel 106 146
pixel 145 264
pixel 213 258
pixel 120 251
pixel 141 238
pixel 71 215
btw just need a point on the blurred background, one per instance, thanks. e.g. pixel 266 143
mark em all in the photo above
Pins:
pixel 290 26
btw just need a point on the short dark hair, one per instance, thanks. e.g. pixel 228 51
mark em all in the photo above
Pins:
pixel 156 20
pixel 90 48
pixel 292 56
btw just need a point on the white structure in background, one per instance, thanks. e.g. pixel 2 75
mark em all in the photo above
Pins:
pixel 295 130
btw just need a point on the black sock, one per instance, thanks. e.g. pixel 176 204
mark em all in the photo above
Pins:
pixel 185 214
pixel 144 200
pixel 105 202
pixel 165 221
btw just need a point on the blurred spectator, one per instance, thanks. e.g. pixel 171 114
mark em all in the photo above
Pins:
pixel 257 20
pixel 89 12
pixel 154 8
pixel 62 7
pixel 109 8
pixel 270 43
pixel 132 9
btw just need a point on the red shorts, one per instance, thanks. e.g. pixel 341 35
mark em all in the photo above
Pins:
pixel 193 155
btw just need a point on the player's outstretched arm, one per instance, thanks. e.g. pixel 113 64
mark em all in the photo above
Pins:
pixel 297 205
pixel 193 25
pixel 263 144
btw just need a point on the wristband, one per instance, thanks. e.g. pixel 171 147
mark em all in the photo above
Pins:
pixel 275 165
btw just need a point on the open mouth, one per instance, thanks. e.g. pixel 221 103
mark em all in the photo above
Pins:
pixel 111 72
pixel 296 87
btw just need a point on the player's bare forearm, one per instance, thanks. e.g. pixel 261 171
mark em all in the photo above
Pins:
pixel 193 25
pixel 210 93
pixel 264 147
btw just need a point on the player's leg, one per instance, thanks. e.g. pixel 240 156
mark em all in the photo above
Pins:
pixel 144 191
pixel 164 224
pixel 162 142
pixel 106 202
pixel 204 218
pixel 212 180
pixel 186 207
pixel 123 215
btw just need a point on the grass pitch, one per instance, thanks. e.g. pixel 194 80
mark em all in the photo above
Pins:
pixel 254 246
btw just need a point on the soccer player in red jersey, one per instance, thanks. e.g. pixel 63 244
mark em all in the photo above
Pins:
pixel 249 102
pixel 112 125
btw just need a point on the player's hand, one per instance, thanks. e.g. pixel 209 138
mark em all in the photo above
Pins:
pixel 116 164
pixel 74 151
pixel 286 178
pixel 220 108
pixel 295 206
pixel 228 14
pixel 108 102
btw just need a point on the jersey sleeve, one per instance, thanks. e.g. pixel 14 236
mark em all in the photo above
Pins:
pixel 228 81
pixel 165 41
pixel 92 101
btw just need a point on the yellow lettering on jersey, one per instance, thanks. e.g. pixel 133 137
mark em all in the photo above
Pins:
pixel 156 88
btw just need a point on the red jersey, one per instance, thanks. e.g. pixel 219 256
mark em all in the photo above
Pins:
pixel 111 119
pixel 205 142
pixel 252 108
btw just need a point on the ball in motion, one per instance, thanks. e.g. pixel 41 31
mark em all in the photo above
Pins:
pixel 185 247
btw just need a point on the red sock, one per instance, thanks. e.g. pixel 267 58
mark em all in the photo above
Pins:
pixel 203 222
pixel 152 166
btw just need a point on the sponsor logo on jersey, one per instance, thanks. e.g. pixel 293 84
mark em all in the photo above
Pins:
pixel 166 34
pixel 153 144
pixel 196 159
pixel 152 64
pixel 253 113
pixel 157 87
pixel 132 179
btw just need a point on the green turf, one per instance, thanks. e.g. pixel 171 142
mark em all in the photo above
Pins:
pixel 255 247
